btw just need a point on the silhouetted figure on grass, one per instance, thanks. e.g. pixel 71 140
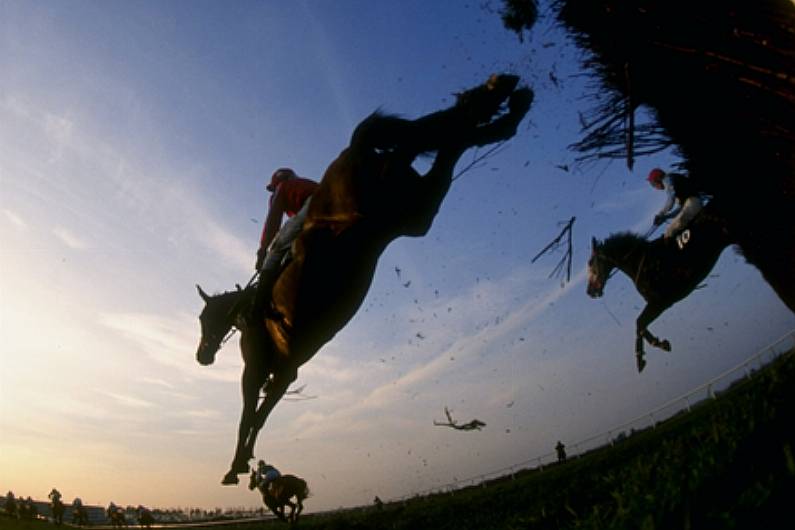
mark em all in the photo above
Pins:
pixel 11 504
pixel 561 450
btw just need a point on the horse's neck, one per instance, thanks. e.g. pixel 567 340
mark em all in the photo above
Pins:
pixel 626 253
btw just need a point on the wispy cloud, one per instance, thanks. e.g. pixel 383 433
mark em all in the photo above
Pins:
pixel 170 341
pixel 468 346
pixel 129 401
pixel 15 220
pixel 69 239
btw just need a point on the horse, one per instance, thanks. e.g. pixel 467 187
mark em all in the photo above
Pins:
pixel 57 508
pixel 79 515
pixel 282 489
pixel 117 517
pixel 369 196
pixel 664 270
pixel 144 516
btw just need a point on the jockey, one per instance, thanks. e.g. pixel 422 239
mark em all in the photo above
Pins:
pixel 54 496
pixel 290 196
pixel 682 193
pixel 266 474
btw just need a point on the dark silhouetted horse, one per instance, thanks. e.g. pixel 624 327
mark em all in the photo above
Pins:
pixel 57 508
pixel 664 270
pixel 282 490
pixel 144 516
pixel 369 196
pixel 79 515
pixel 117 517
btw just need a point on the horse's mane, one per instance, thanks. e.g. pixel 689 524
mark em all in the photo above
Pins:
pixel 622 242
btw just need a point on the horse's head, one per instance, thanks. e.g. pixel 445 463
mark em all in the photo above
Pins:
pixel 598 270
pixel 215 323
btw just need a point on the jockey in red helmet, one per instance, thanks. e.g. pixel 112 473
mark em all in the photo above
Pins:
pixel 290 195
pixel 682 194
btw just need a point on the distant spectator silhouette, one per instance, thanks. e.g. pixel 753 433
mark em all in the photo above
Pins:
pixel 11 504
pixel 379 504
pixel 561 450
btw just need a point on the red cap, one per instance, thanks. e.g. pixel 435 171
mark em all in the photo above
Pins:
pixel 279 176
pixel 655 176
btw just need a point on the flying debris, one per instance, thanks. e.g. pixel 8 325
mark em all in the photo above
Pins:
pixel 471 426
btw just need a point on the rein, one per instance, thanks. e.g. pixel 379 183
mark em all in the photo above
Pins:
pixel 615 263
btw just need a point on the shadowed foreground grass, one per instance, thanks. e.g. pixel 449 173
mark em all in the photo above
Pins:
pixel 729 463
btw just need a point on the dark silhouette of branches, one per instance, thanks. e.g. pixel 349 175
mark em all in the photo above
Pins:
pixel 565 261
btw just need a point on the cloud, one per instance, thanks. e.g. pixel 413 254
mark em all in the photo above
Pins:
pixel 69 239
pixel 468 346
pixel 15 220
pixel 168 341
pixel 129 401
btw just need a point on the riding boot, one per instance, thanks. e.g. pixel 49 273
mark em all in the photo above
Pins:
pixel 260 306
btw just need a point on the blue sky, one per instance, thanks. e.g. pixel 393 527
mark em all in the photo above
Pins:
pixel 136 139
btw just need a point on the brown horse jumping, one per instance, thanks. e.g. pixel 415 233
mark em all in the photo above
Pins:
pixel 369 196
pixel 664 271
pixel 282 490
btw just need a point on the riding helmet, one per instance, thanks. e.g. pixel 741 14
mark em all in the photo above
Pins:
pixel 279 176
pixel 655 176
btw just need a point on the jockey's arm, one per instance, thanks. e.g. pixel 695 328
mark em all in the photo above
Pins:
pixel 666 211
pixel 273 222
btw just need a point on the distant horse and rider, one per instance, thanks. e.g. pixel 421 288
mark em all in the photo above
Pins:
pixel 664 270
pixel 144 516
pixel 79 514
pixel 56 506
pixel 369 196
pixel 116 516
pixel 280 492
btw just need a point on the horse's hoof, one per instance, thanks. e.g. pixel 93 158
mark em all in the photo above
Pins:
pixel 520 101
pixel 230 479
pixel 665 345
pixel 641 363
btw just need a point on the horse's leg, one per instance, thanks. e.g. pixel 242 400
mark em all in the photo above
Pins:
pixel 473 109
pixel 646 317
pixel 273 394
pixel 291 517
pixel 253 378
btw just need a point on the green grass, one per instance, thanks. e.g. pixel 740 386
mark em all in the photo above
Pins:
pixel 729 463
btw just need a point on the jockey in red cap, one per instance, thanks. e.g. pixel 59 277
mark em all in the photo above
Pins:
pixel 682 193
pixel 290 195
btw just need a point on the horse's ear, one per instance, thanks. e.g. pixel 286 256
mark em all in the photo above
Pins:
pixel 205 296
pixel 594 243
